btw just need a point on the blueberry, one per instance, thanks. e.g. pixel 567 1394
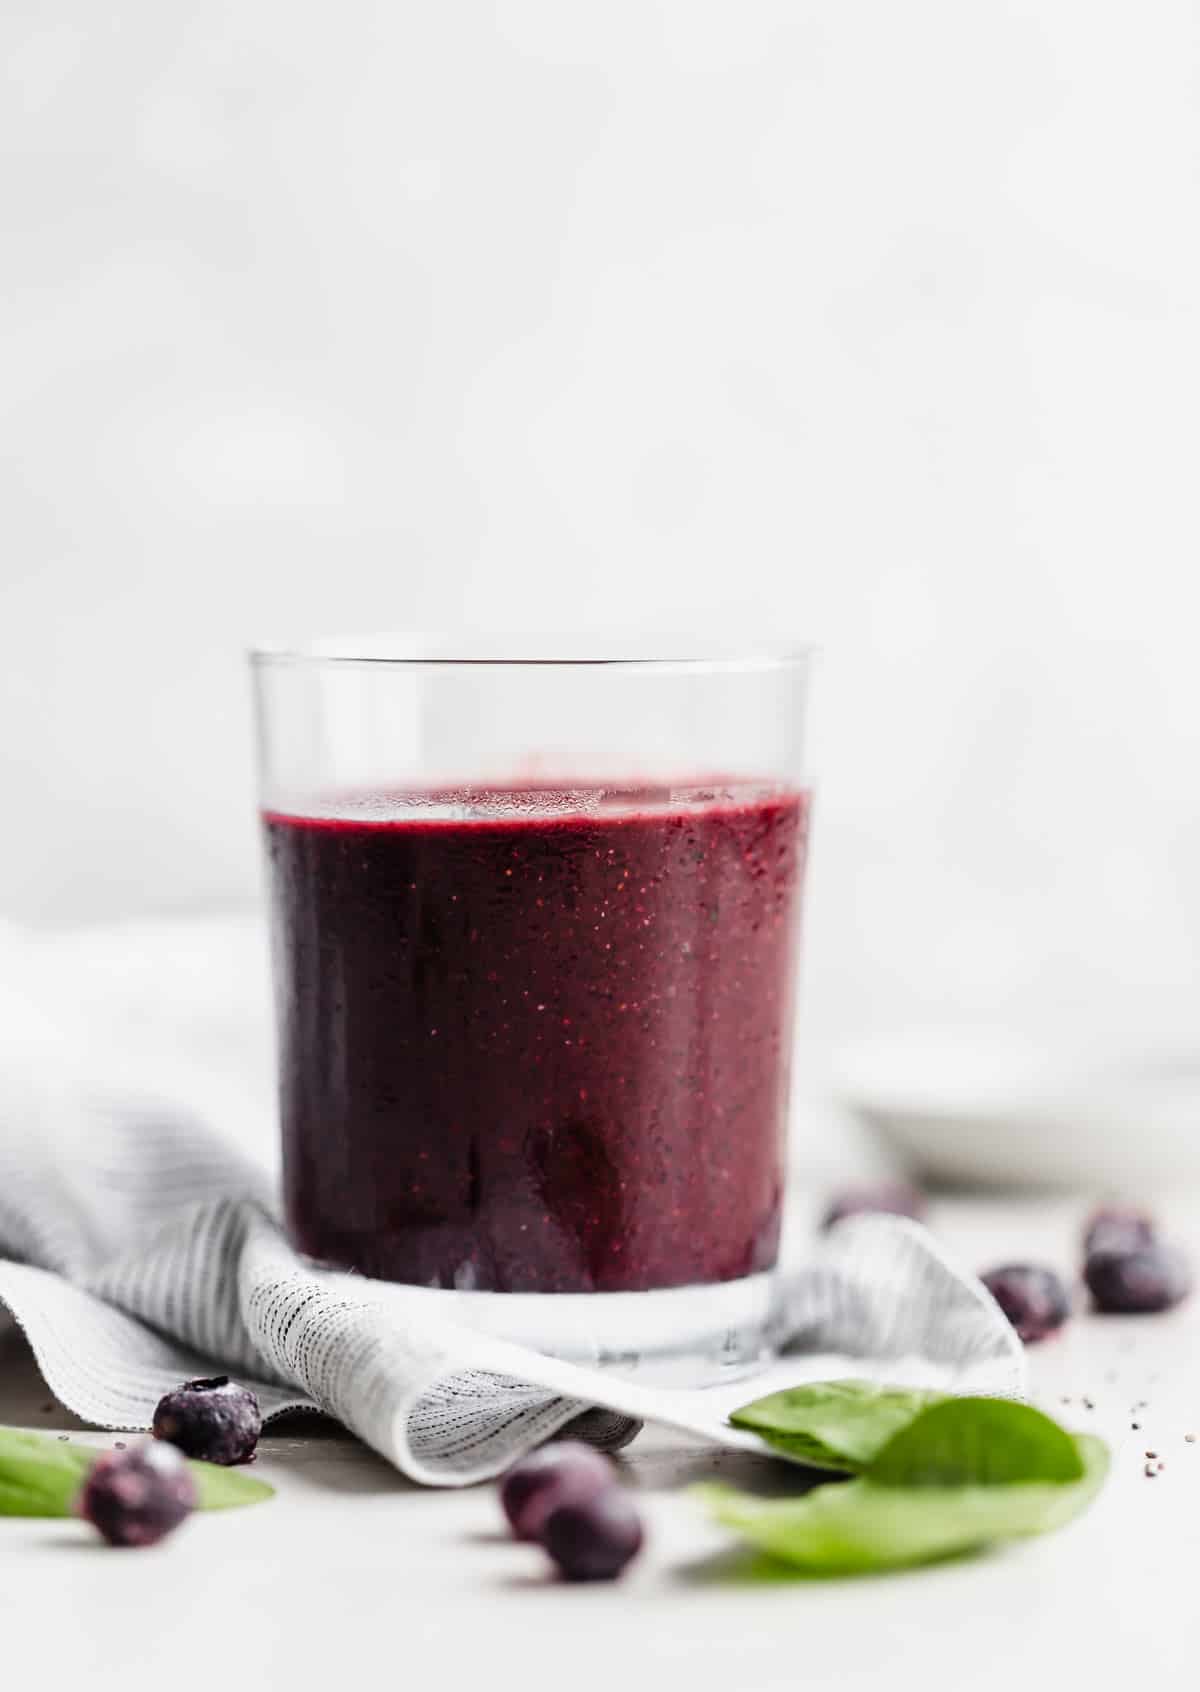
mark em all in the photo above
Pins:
pixel 563 1473
pixel 1034 1300
pixel 139 1496
pixel 887 1198
pixel 1134 1283
pixel 1117 1229
pixel 213 1419
pixel 594 1538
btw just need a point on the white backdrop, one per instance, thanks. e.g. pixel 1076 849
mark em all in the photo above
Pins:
pixel 876 323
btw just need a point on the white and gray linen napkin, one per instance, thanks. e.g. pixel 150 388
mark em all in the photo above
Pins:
pixel 138 1249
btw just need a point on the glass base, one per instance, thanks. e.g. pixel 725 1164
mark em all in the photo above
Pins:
pixel 679 1336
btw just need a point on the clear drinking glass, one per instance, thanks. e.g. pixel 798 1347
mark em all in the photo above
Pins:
pixel 534 930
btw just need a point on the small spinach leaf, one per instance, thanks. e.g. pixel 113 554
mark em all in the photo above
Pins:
pixel 840 1425
pixel 978 1442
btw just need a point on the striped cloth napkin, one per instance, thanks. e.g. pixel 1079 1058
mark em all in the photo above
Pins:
pixel 138 1249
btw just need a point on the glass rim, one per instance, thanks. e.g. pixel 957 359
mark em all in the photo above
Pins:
pixel 449 652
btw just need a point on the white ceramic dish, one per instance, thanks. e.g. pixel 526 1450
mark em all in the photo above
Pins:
pixel 1002 1108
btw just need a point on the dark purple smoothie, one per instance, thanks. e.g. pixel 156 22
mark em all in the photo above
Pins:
pixel 538 1053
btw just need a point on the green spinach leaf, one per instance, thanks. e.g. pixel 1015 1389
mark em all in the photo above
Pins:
pixel 839 1425
pixel 861 1526
pixel 40 1476
pixel 960 1474
pixel 978 1442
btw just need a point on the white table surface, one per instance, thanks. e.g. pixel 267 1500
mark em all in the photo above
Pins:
pixel 353 1578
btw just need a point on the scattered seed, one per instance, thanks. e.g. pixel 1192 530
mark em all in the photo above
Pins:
pixel 1152 1453
pixel 63 1436
pixel 1150 1471
pixel 1161 1466
pixel 48 1409
pixel 1064 1399
pixel 1088 1404
pixel 1190 1438
pixel 1136 1426
pixel 118 1445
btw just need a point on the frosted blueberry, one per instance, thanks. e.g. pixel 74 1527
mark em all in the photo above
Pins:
pixel 139 1496
pixel 213 1419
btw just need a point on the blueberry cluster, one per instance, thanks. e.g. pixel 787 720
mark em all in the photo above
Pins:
pixel 138 1496
pixel 565 1497
pixel 1127 1268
